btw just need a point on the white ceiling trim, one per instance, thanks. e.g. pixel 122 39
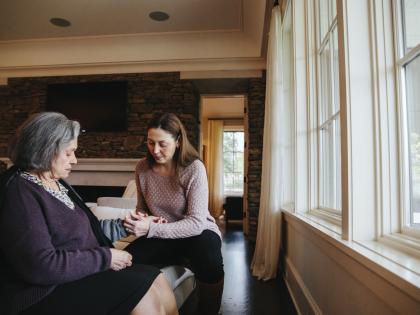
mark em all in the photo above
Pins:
pixel 203 68
pixel 221 74
pixel 117 36
pixel 129 49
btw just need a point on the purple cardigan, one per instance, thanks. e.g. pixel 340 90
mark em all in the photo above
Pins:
pixel 43 243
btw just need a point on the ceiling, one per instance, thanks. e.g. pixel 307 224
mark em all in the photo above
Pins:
pixel 108 36
pixel 222 107
pixel 30 19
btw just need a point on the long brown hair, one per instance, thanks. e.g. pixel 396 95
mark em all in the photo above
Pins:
pixel 185 154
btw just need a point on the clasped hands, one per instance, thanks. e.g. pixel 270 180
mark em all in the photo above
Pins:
pixel 138 224
pixel 120 259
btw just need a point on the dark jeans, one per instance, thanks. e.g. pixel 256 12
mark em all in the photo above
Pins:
pixel 202 252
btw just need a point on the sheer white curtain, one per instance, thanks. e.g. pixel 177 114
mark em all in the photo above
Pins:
pixel 266 255
pixel 215 166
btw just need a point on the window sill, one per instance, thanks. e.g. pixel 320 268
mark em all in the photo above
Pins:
pixel 233 194
pixel 403 243
pixel 395 258
pixel 395 265
pixel 326 219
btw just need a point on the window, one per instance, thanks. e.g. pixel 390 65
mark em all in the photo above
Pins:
pixel 356 129
pixel 409 63
pixel 286 139
pixel 328 124
pixel 233 162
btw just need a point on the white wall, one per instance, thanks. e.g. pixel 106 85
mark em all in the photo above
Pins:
pixel 220 107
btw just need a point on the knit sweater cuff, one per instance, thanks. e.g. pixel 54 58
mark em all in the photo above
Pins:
pixel 153 230
pixel 107 253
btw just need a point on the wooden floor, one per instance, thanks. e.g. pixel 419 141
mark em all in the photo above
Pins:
pixel 243 293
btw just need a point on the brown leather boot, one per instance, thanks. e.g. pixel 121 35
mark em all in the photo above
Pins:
pixel 209 297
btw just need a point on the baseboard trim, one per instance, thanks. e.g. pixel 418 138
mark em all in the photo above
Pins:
pixel 302 298
pixel 292 297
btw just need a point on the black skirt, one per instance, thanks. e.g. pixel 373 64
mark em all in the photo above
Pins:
pixel 108 292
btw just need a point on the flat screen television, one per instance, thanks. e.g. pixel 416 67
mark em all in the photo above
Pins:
pixel 98 106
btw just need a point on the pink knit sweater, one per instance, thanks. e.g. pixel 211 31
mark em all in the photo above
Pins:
pixel 182 200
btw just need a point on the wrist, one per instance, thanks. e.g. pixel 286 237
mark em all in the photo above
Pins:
pixel 152 229
pixel 108 258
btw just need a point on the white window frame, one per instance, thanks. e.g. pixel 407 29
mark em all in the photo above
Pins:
pixel 377 184
pixel 231 192
pixel 333 216
pixel 371 138
pixel 288 138
pixel 402 59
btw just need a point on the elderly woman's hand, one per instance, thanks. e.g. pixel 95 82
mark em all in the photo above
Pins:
pixel 120 259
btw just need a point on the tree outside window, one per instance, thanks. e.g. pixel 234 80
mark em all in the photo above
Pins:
pixel 233 162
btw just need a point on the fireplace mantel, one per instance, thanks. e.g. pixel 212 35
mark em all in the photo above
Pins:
pixel 102 172
pixel 99 172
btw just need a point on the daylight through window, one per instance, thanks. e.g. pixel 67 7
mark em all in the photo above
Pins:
pixel 233 162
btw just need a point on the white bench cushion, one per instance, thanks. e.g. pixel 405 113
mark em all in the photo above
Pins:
pixel 116 202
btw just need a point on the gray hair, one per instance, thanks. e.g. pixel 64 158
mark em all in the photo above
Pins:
pixel 40 138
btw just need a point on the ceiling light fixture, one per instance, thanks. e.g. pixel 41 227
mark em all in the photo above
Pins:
pixel 60 22
pixel 159 16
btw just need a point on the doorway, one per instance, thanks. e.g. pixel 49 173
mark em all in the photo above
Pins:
pixel 223 148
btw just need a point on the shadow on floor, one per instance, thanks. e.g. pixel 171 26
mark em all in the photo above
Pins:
pixel 243 293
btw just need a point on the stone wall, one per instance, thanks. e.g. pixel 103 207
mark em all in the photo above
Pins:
pixel 256 105
pixel 147 93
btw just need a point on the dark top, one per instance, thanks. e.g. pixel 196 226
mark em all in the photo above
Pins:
pixel 44 243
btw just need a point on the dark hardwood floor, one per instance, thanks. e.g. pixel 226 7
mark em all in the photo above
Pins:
pixel 243 293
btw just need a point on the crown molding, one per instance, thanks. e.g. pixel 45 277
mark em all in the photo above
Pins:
pixel 228 66
pixel 221 74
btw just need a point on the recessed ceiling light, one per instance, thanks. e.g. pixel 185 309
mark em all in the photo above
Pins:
pixel 60 22
pixel 159 16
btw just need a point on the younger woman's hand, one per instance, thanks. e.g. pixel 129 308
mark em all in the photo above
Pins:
pixel 137 225
pixel 135 215
pixel 120 259
pixel 139 213
pixel 151 218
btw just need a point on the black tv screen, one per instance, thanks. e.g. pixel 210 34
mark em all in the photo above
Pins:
pixel 98 106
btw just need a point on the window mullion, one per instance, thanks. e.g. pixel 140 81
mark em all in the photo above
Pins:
pixel 327 35
pixel 329 120
pixel 410 56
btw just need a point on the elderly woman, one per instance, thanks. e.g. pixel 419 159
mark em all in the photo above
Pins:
pixel 54 256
